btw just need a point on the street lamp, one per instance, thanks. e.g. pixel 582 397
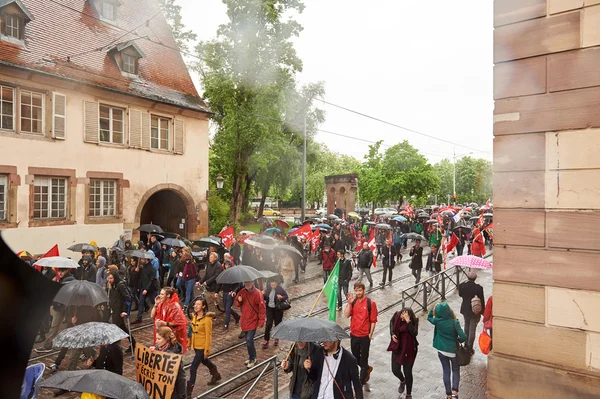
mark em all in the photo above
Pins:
pixel 220 181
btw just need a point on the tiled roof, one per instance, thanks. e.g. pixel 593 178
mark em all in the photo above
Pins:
pixel 67 38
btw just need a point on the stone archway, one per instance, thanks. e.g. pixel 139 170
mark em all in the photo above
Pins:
pixel 331 197
pixel 345 188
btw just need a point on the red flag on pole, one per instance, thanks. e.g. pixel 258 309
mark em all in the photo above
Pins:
pixel 227 236
pixel 315 240
pixel 302 232
pixel 451 244
pixel 480 221
pixel 244 238
pixel 52 252
pixel 373 247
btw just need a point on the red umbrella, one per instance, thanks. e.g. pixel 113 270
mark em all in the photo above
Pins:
pixel 282 223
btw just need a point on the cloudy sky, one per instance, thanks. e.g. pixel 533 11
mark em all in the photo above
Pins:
pixel 425 66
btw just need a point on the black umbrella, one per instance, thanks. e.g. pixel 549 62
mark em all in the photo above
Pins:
pixel 81 293
pixel 100 382
pixel 383 226
pixel 139 253
pixel 488 215
pixel 413 236
pixel 264 242
pixel 88 335
pixel 83 246
pixel 173 242
pixel 465 229
pixel 239 274
pixel 210 241
pixel 332 216
pixel 308 329
pixel 289 249
pixel 265 220
pixel 423 215
pixel 150 228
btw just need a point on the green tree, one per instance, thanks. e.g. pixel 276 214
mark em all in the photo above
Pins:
pixel 371 180
pixel 445 171
pixel 172 12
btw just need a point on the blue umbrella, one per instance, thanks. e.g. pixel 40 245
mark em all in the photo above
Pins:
pixel 323 226
pixel 272 230
pixel 400 218
pixel 292 230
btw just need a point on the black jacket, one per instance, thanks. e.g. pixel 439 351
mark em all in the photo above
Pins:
pixel 345 271
pixel 296 367
pixel 210 276
pixel 49 273
pixel 147 275
pixel 86 273
pixel 467 291
pixel 236 253
pixel 417 258
pixel 346 376
pixel 117 298
pixel 389 256
pixel 175 265
pixel 156 248
pixel 134 279
pixel 110 359
pixel 365 259
pixel 339 245
pixel 179 389
pixel 434 264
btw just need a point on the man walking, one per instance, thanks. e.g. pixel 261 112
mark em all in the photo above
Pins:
pixel 472 307
pixel 434 263
pixel 416 262
pixel 344 277
pixel 365 261
pixel 328 257
pixel 252 303
pixel 363 314
pixel 146 291
pixel 389 261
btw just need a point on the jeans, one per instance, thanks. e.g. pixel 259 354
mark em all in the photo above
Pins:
pixel 366 271
pixel 387 270
pixel 360 349
pixel 470 329
pixel 199 358
pixel 273 315
pixel 189 291
pixel 142 303
pixel 449 363
pixel 228 304
pixel 417 274
pixel 343 286
pixel 249 338
pixel 407 377
pixel 326 274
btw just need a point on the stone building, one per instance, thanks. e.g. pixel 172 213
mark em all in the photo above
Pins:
pixel 101 127
pixel 547 198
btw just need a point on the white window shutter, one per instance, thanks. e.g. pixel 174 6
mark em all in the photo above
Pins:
pixel 145 131
pixel 178 138
pixel 91 121
pixel 135 128
pixel 59 116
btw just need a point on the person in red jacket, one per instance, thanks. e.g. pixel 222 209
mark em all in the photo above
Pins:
pixel 329 257
pixel 478 245
pixel 252 303
pixel 488 317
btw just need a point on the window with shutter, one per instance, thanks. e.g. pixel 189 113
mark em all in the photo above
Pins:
pixel 135 128
pixel 178 139
pixel 146 131
pixel 59 116
pixel 90 121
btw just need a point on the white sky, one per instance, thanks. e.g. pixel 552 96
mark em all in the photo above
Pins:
pixel 424 65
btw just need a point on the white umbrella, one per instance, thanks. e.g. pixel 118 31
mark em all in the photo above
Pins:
pixel 59 262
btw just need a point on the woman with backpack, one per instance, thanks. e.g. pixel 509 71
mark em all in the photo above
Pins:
pixel 404 328
pixel 445 336
pixel 119 302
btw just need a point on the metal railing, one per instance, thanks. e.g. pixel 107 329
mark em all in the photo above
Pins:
pixel 441 283
pixel 267 364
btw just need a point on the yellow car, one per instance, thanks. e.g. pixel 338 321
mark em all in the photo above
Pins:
pixel 270 212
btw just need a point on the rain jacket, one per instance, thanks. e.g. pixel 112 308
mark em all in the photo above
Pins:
pixel 253 309
pixel 202 332
pixel 478 246
pixel 101 274
pixel 172 312
pixel 447 328
pixel 210 276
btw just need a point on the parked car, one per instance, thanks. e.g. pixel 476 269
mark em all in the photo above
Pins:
pixel 270 212
pixel 200 250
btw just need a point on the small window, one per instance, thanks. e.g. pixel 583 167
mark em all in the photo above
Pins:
pixel 50 198
pixel 3 194
pixel 103 197
pixel 111 124
pixel 32 112
pixel 7 96
pixel 13 26
pixel 160 133
pixel 107 10
pixel 129 63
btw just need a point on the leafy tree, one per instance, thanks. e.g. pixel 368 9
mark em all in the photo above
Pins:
pixel 473 179
pixel 172 12
pixel 371 178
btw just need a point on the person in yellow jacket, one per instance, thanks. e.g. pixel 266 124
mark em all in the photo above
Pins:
pixel 200 337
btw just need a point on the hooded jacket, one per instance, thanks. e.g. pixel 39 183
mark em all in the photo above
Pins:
pixel 202 332
pixel 118 296
pixel 101 274
pixel 86 272
pixel 447 328
pixel 171 311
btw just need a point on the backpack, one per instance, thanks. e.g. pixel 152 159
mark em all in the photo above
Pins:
pixel 476 306
pixel 368 308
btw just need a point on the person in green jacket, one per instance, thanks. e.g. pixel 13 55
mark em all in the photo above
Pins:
pixel 447 331
pixel 435 238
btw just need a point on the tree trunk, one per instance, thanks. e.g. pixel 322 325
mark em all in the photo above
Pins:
pixel 247 188
pixel 264 195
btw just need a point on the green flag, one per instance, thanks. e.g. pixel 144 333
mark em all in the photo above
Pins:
pixel 331 291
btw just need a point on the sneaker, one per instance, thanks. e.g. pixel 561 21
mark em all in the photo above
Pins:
pixel 401 387
pixel 43 349
pixel 276 342
pixel 251 363
pixel 339 309
pixel 226 327
pixel 241 335
pixel 53 368
pixel 246 362
pixel 368 374
pixel 390 283
pixel 382 284
pixel 265 344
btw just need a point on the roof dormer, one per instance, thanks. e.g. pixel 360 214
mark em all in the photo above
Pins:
pixel 127 56
pixel 107 9
pixel 13 18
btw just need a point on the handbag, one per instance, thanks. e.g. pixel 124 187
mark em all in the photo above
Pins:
pixel 463 355
pixel 283 305
pixel 485 342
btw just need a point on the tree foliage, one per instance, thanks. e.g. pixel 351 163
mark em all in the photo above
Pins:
pixel 473 179
pixel 172 12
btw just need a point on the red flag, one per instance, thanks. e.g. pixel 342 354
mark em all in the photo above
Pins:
pixel 451 244
pixel 315 240
pixel 480 221
pixel 373 247
pixel 244 238
pixel 227 236
pixel 302 232
pixel 52 252
pixel 490 229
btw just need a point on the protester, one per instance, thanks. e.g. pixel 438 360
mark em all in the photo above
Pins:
pixel 110 359
pixel 363 314
pixel 404 328
pixel 167 312
pixel 478 245
pixel 200 334
pixel 365 261
pixel 447 331
pixel 252 303
pixel 174 268
pixel 229 291
pixel 166 341
pixel 416 261
pixel 165 265
pixel 286 268
pixel 188 278
pixel 334 372
pixel 273 295
pixel 155 246
pixel 119 302
pixel 102 272
pixel 50 274
pixel 389 261
pixel 435 238
pixel 134 279
pixel 472 306
pixel 213 269
pixel 329 258
pixel 146 290
pixel 301 387
pixel 434 264
pixel 344 277
pixel 488 317
pixel 462 238
pixel 87 270
pixel 236 251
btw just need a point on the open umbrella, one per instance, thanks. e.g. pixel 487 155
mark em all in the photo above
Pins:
pixel 83 246
pixel 238 274
pixel 431 221
pixel 471 261
pixel 214 241
pixel 246 232
pixel 272 230
pixel 383 226
pixel 173 242
pixel 465 229
pixel 289 249
pixel 282 223
pixel 323 226
pixel 488 215
pixel 353 215
pixel 308 329
pixel 265 220
pixel 58 262
pixel 268 273
pixel 88 335
pixel 81 293
pixel 139 253
pixel 293 229
pixel 369 223
pixel 332 216
pixel 150 228
pixel 100 382
pixel 260 241
pixel 25 255
pixel 413 236
pixel 400 219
